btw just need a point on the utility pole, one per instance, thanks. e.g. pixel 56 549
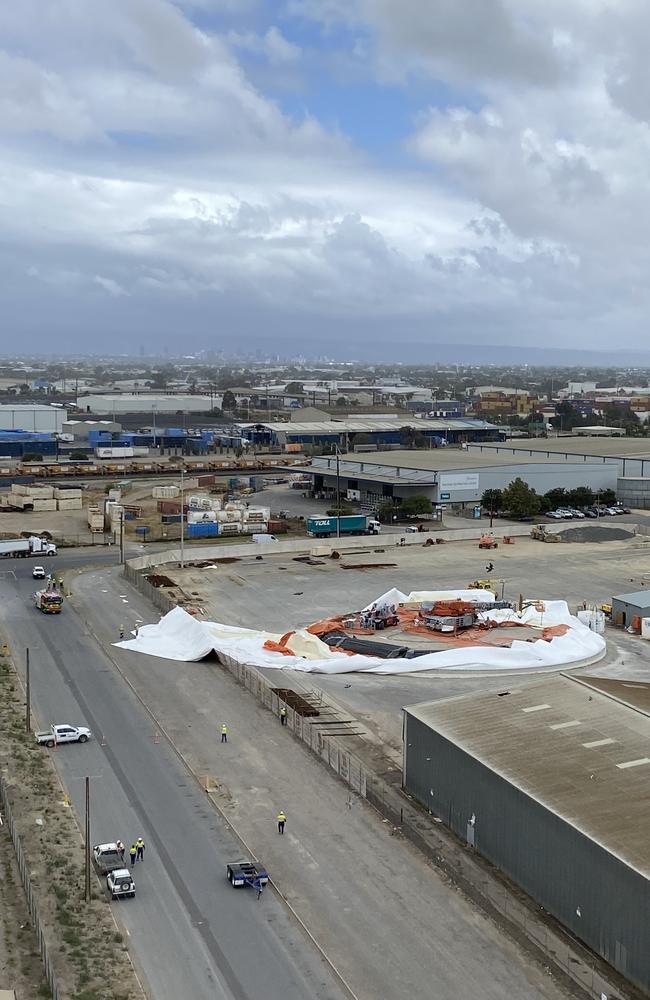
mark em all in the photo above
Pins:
pixel 122 536
pixel 28 694
pixel 87 846
pixel 338 493
pixel 183 518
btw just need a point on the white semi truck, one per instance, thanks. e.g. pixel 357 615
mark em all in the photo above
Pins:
pixel 12 548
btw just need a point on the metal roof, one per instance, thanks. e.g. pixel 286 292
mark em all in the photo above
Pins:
pixel 594 447
pixel 368 425
pixel 579 752
pixel 640 598
pixel 435 459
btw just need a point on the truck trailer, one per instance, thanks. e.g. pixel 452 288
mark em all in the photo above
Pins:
pixel 352 524
pixel 12 548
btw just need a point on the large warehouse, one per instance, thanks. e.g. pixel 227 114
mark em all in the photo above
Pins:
pixel 551 783
pixel 36 417
pixel 449 475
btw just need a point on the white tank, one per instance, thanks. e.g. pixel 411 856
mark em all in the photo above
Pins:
pixel 645 628
pixel 201 516
pixel 228 516
pixel 594 620
pixel 199 503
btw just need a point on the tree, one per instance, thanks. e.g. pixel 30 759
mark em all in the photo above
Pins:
pixel 341 401
pixel 607 497
pixel 29 457
pixel 520 500
pixel 492 500
pixel 387 510
pixel 228 402
pixel 581 496
pixel 418 504
pixel 78 456
pixel 556 498
pixel 294 389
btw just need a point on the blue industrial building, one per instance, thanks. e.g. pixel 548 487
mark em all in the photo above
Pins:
pixel 17 443
pixel 165 438
pixel 381 430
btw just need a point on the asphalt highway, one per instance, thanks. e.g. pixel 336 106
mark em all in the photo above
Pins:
pixel 190 934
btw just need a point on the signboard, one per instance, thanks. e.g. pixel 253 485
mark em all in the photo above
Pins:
pixel 353 495
pixel 458 481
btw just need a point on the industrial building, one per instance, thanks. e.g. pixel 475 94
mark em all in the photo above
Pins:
pixel 366 429
pixel 449 475
pixel 149 404
pixel 632 456
pixel 35 417
pixel 550 783
pixel 630 609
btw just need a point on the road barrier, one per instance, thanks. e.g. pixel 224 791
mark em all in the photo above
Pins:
pixel 27 885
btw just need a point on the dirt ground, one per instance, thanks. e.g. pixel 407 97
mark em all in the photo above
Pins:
pixel 21 968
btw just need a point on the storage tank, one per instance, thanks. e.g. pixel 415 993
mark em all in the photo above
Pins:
pixel 199 502
pixel 228 516
pixel 594 620
pixel 201 517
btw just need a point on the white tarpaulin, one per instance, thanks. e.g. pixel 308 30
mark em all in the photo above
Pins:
pixel 179 636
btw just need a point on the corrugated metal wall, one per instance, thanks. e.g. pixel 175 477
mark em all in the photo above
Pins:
pixel 556 865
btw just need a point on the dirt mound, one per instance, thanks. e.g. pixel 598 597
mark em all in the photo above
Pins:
pixel 591 533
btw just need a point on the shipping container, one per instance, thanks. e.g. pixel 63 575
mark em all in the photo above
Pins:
pixel 114 453
pixel 209 530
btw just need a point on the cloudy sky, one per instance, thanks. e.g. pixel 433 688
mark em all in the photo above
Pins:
pixel 352 177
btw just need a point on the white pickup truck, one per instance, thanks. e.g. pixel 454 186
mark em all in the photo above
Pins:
pixel 63 734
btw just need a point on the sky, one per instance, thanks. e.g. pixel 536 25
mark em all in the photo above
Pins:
pixel 345 178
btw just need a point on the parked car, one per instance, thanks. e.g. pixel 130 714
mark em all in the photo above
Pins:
pixel 38 573
pixel 555 515
pixel 590 512
pixel 120 883
pixel 576 513
pixel 566 514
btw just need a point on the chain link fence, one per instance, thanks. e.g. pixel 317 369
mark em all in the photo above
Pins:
pixel 29 892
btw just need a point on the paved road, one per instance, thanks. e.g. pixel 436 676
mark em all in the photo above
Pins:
pixel 190 933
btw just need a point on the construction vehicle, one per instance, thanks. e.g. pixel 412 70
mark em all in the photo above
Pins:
pixel 540 533
pixel 49 601
pixel 488 542
pixel 483 585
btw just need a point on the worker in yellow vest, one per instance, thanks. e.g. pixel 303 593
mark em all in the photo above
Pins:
pixel 224 733
pixel 282 819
